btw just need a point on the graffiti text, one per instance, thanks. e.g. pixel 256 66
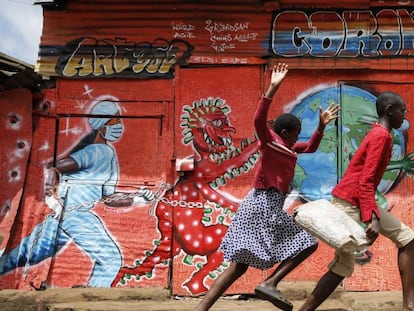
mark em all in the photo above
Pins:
pixel 86 56
pixel 386 33
pixel 224 36
pixel 183 31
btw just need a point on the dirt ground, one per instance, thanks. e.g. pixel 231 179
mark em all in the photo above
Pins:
pixel 157 299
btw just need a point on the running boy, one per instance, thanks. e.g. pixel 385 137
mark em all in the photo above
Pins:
pixel 355 194
pixel 262 233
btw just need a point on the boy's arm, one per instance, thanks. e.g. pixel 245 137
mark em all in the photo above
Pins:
pixel 367 181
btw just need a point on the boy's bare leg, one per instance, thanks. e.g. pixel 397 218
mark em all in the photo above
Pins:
pixel 406 266
pixel 228 277
pixel 322 291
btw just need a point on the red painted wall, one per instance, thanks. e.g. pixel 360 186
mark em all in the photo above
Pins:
pixel 186 127
pixel 146 155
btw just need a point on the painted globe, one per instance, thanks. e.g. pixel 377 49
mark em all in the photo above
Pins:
pixel 317 173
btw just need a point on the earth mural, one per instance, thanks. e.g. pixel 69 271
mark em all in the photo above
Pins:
pixel 316 174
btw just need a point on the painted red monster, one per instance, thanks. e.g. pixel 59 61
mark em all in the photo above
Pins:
pixel 194 200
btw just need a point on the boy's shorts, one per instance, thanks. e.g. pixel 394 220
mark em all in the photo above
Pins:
pixel 390 227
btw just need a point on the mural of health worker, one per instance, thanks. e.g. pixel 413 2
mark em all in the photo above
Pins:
pixel 87 176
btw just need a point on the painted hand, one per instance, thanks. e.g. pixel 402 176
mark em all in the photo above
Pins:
pixel 54 205
pixel 143 196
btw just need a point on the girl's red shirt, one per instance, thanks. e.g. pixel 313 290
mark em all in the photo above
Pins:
pixel 276 167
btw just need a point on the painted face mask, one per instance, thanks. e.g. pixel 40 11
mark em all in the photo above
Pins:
pixel 113 132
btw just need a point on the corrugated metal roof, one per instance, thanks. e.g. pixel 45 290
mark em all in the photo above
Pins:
pixel 16 73
pixel 10 65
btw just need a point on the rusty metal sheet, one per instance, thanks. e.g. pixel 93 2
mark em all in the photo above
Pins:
pixel 16 142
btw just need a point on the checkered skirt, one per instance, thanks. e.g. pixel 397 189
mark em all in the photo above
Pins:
pixel 262 233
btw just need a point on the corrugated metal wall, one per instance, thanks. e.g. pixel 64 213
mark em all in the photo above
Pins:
pixel 185 77
pixel 201 33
